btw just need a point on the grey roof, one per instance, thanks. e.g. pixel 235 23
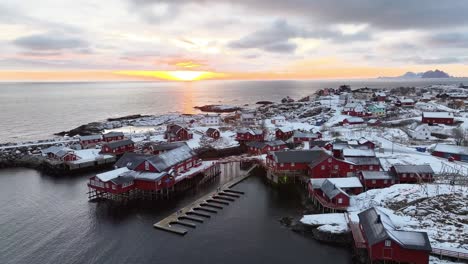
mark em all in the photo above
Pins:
pixel 113 134
pixel 172 157
pixel 58 151
pixel 376 175
pixel 167 146
pixel 299 156
pixel 452 149
pixel 250 131
pixel 130 160
pixel 90 137
pixel 119 143
pixel 330 189
pixel 357 152
pixel 173 129
pixel 299 134
pixel 363 160
pixel 426 168
pixel 262 144
pixel 378 227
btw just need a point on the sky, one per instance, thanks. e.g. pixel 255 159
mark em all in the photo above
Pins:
pixel 230 39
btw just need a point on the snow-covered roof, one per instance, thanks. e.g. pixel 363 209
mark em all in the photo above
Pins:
pixel 437 115
pixel 355 120
pixel 90 137
pixel 348 152
pixel 376 175
pixel 299 134
pixel 172 157
pixel 299 156
pixel 425 168
pixel 452 149
pixel 363 160
pixel 347 182
pixel 407 100
pixel 58 151
pixel 285 129
pixel 382 94
pixel 120 143
pixel 251 131
pixel 113 134
pixel 110 175
pixel 262 144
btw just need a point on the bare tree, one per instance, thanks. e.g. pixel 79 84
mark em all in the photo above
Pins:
pixel 460 136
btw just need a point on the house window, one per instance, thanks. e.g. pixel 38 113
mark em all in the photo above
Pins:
pixel 323 167
pixel 146 166
pixel 292 164
pixel 371 167
pixel 340 200
pixel 113 187
pixel 373 181
pixel 388 243
pixel 351 166
pixel 281 164
pixel 336 167
pixel 404 175
pixel 385 181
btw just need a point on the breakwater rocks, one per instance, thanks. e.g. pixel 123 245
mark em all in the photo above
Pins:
pixel 326 233
pixel 218 108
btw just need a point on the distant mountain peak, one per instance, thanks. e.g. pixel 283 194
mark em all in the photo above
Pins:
pixel 428 74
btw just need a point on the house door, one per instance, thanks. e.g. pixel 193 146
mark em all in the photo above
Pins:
pixel 387 253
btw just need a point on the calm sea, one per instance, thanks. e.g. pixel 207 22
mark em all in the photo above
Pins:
pixel 30 111
pixel 49 220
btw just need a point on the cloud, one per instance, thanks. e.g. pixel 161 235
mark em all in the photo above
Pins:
pixel 448 40
pixel 432 60
pixel 277 37
pixel 395 14
pixel 52 41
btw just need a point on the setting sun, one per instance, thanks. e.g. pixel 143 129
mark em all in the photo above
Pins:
pixel 173 75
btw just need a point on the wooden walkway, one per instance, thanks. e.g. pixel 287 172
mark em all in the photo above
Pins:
pixel 457 255
pixel 202 209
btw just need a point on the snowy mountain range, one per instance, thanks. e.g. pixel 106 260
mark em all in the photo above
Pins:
pixel 427 74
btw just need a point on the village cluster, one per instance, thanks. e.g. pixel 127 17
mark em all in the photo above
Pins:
pixel 338 143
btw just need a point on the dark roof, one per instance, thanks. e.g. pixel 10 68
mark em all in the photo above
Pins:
pixel 363 160
pixel 318 143
pixel 299 156
pixel 377 227
pixel 113 134
pixel 90 137
pixel 330 189
pixel 262 144
pixel 426 168
pixel 172 157
pixel 120 143
pixel 376 175
pixel 131 160
pixel 211 130
pixel 173 129
pixel 167 146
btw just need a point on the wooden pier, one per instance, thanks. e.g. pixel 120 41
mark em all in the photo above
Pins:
pixel 202 209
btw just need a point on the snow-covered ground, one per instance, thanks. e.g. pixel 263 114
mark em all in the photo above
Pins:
pixel 439 210
pixel 331 223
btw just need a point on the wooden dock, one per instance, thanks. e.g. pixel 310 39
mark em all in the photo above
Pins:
pixel 202 209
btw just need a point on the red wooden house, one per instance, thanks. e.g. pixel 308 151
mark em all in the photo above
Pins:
pixel 412 173
pixel 408 103
pixel 376 179
pixel 263 147
pixel 380 96
pixel 213 133
pixel 112 136
pixel 177 133
pixel 437 118
pixel 156 148
pixel 352 121
pixel 334 193
pixel 325 144
pixel 354 109
pixel 364 163
pixel 60 153
pixel 387 244
pixel 301 137
pixel 330 167
pixel 90 141
pixel 115 181
pixel 451 152
pixel 284 133
pixel 118 147
pixel 244 135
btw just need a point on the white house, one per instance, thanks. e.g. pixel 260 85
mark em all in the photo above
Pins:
pixel 211 120
pixel 420 133
pixel 278 120
pixel 247 119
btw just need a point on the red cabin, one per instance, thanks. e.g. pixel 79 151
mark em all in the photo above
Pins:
pixel 118 147
pixel 113 136
pixel 412 173
pixel 384 243
pixel 249 135
pixel 60 153
pixel 437 118
pixel 301 137
pixel 284 133
pixel 90 141
pixel 213 133
pixel 334 193
pixel 353 121
pixel 376 179
pixel 177 133
pixel 260 147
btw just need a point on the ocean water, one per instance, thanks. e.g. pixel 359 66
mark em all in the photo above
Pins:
pixel 49 220
pixel 30 111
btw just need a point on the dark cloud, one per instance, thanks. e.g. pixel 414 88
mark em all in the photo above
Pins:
pixel 395 14
pixel 448 40
pixel 440 60
pixel 52 41
pixel 276 38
